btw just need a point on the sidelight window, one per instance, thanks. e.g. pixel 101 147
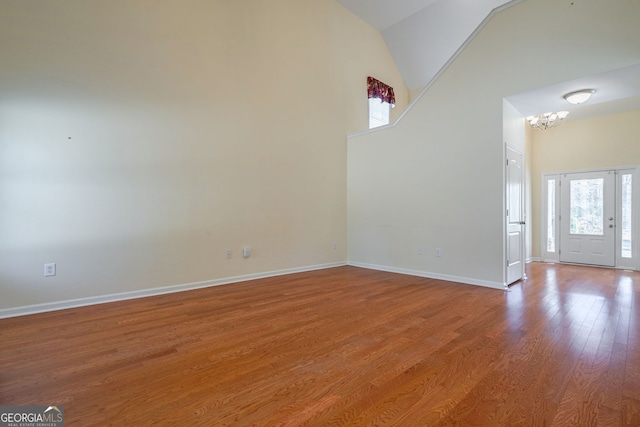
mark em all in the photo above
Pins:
pixel 625 220
pixel 551 215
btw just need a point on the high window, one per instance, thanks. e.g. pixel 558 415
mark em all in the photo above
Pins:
pixel 381 100
pixel 379 113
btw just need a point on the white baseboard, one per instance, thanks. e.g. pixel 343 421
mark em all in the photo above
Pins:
pixel 429 275
pixel 101 299
pixel 533 259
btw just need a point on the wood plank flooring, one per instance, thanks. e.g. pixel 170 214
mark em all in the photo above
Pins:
pixel 341 347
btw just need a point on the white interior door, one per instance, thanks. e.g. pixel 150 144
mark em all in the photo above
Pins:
pixel 515 216
pixel 587 218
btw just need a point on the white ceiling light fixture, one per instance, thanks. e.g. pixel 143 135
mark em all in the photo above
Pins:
pixel 547 120
pixel 579 96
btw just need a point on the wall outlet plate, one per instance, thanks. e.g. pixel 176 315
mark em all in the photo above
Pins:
pixel 50 269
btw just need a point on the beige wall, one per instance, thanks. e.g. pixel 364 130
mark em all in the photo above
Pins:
pixel 600 142
pixel 140 139
pixel 436 179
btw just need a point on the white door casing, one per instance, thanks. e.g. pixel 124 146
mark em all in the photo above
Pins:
pixel 515 216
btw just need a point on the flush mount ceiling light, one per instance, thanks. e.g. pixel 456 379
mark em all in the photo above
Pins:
pixel 579 96
pixel 547 120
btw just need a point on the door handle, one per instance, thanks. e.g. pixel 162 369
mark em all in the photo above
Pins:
pixel 610 218
pixel 610 225
pixel 522 223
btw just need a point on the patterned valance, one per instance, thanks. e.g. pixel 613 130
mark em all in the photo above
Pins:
pixel 377 89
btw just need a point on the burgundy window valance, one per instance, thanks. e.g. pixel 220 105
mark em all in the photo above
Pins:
pixel 377 89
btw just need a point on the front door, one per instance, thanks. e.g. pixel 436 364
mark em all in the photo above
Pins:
pixel 515 216
pixel 587 218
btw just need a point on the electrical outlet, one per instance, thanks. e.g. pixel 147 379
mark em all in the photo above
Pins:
pixel 50 269
pixel 420 250
pixel 229 254
pixel 246 252
pixel 438 252
pixel 334 245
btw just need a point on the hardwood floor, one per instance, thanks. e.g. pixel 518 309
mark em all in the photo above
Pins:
pixel 344 346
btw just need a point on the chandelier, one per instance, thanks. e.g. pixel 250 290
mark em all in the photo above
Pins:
pixel 547 120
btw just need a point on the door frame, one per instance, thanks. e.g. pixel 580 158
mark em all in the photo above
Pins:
pixel 523 213
pixel 620 263
pixel 607 242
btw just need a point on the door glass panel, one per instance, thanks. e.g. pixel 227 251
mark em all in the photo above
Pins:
pixel 626 216
pixel 551 215
pixel 587 207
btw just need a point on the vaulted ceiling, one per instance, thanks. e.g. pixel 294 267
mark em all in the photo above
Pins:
pixel 423 35
pixel 382 14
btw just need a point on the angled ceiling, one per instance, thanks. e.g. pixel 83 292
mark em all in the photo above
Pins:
pixel 382 14
pixel 423 35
